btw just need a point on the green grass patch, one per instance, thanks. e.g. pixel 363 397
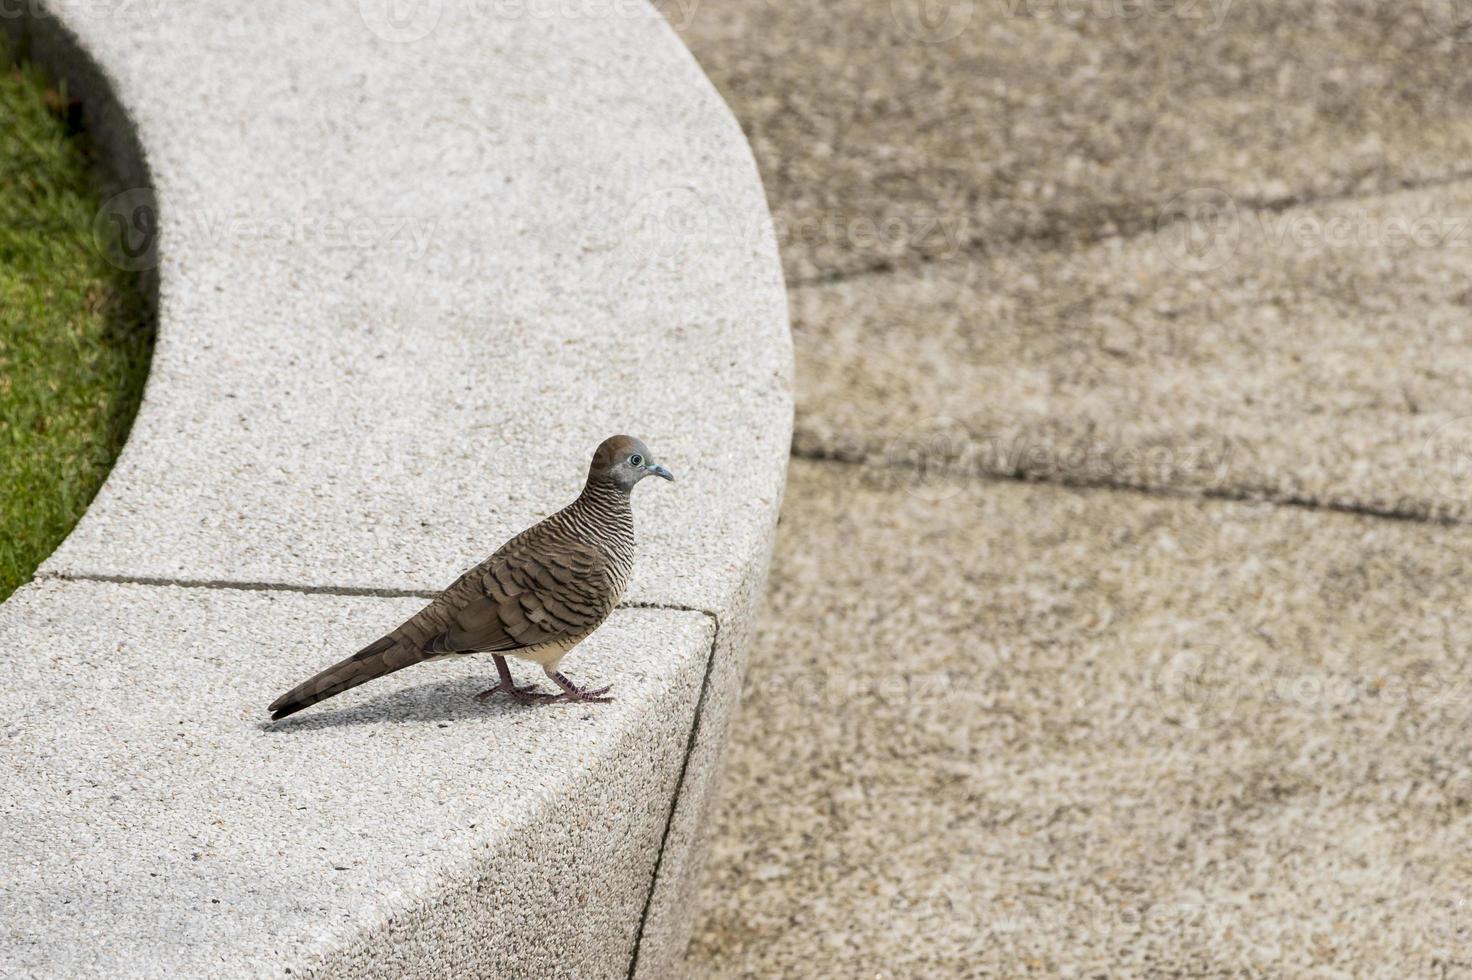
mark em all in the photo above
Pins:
pixel 74 335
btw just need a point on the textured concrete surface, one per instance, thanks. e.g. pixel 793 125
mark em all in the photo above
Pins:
pixel 1210 246
pixel 676 892
pixel 392 366
pixel 156 826
pixel 889 132
pixel 412 263
pixel 1299 355
pixel 993 729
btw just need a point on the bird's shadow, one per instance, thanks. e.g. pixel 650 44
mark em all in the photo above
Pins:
pixel 446 701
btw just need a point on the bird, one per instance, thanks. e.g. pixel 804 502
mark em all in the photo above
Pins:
pixel 541 594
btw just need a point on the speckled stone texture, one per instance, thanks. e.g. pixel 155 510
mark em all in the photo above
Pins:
pixel 1216 246
pixel 1302 355
pixel 1091 733
pixel 1166 249
pixel 393 366
pixel 894 130
pixel 412 263
pixel 155 825
pixel 676 891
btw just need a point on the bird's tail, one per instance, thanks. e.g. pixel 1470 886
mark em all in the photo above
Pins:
pixel 383 656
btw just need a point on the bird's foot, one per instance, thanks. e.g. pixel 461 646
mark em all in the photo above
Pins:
pixel 578 694
pixel 526 693
pixel 571 692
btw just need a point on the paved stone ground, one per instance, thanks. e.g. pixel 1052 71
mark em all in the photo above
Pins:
pixel 331 396
pixel 1203 705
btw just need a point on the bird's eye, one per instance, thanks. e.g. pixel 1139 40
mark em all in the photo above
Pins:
pixel 636 460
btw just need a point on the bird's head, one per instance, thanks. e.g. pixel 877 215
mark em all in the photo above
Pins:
pixel 624 461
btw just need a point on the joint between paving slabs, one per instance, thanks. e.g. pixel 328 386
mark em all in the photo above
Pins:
pixel 355 591
pixel 1257 495
pixel 1135 226
pixel 690 740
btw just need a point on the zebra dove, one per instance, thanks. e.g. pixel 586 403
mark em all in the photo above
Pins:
pixel 536 598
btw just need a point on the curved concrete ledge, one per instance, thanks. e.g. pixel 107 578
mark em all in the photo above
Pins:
pixel 416 260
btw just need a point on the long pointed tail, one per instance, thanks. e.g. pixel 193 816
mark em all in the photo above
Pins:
pixel 383 656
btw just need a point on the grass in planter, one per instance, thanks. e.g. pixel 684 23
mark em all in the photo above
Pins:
pixel 74 338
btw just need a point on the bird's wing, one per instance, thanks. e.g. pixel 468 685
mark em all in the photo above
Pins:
pixel 525 597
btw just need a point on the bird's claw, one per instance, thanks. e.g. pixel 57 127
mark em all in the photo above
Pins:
pixel 526 694
pixel 581 694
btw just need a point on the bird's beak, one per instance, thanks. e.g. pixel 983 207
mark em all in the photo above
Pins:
pixel 657 470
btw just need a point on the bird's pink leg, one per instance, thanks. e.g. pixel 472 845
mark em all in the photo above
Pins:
pixel 571 692
pixel 525 694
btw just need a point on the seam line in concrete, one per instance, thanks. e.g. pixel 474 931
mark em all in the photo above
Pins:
pixel 359 591
pixel 354 591
pixel 679 793
pixel 1260 495
pixel 226 584
pixel 1136 227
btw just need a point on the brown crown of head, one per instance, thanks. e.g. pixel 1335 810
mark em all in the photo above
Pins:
pixel 624 461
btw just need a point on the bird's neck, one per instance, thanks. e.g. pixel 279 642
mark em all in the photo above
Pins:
pixel 602 514
pixel 605 497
